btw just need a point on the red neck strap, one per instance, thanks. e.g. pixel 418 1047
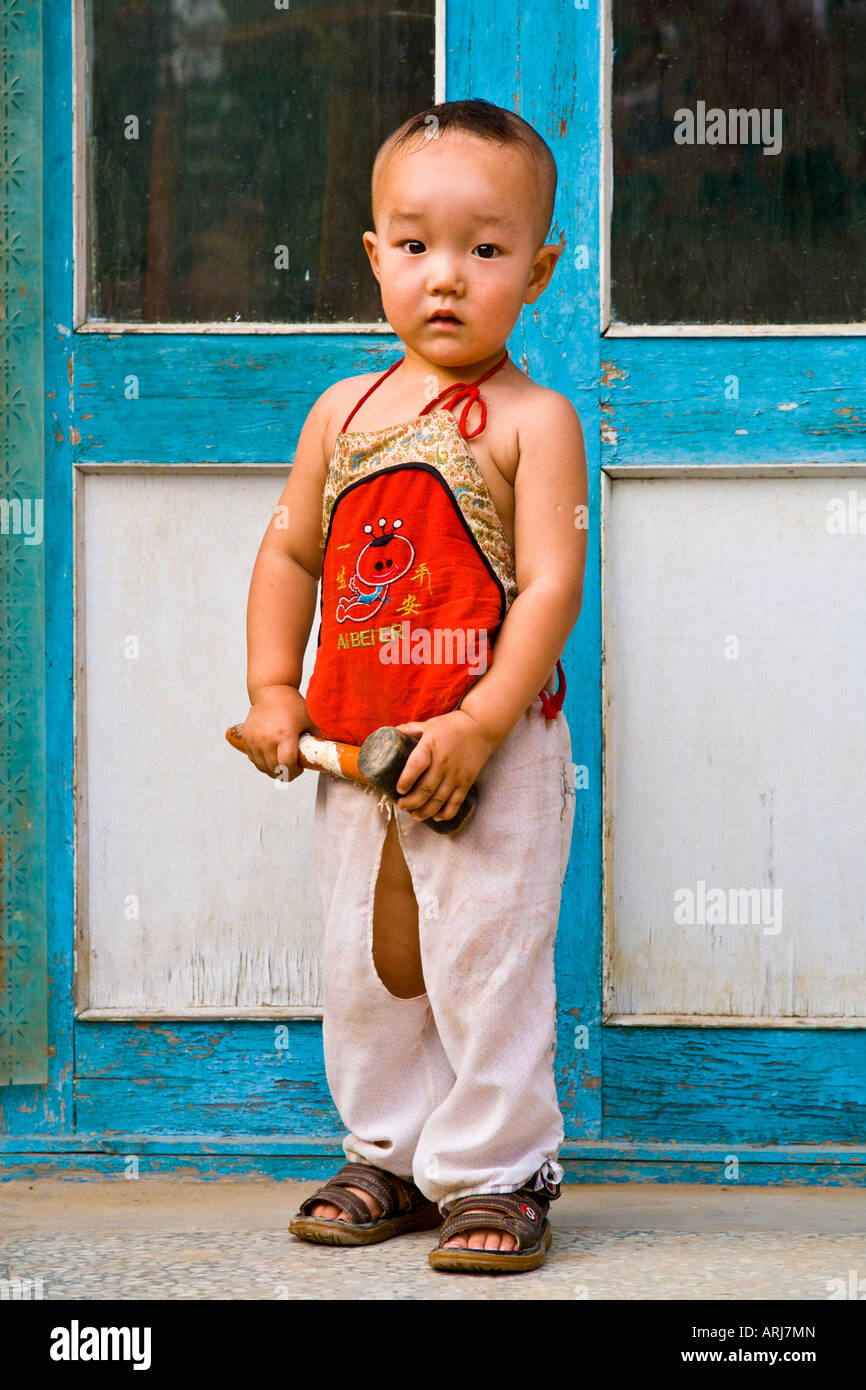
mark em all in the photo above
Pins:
pixel 377 382
pixel 461 389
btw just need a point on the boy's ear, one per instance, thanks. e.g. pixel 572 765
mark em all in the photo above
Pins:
pixel 542 269
pixel 371 246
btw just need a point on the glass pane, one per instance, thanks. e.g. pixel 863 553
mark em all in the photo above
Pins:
pixel 220 131
pixel 739 162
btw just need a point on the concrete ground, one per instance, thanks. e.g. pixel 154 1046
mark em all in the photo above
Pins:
pixel 186 1239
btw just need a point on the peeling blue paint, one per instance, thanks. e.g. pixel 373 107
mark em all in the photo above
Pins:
pixel 664 401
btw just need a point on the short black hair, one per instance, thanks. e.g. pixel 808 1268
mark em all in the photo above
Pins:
pixel 484 119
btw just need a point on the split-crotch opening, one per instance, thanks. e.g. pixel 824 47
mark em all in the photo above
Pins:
pixel 395 939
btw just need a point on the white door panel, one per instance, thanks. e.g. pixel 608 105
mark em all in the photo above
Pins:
pixel 735 748
pixel 196 872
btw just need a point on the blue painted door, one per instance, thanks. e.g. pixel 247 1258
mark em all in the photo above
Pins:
pixel 732 377
pixel 142 376
pixel 671 1098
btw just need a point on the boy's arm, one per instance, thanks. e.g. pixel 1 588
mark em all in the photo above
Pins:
pixel 550 544
pixel 282 602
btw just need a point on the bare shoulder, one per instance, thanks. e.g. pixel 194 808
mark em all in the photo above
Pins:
pixel 549 434
pixel 323 421
pixel 347 391
pixel 337 400
pixel 540 410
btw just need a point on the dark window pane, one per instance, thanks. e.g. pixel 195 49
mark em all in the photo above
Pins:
pixel 722 232
pixel 257 129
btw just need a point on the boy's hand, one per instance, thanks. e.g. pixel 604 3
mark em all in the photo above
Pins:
pixel 270 731
pixel 452 750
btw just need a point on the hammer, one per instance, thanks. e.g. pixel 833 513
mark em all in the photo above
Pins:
pixel 378 763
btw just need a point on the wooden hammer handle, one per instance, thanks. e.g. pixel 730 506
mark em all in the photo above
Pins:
pixel 384 755
pixel 318 754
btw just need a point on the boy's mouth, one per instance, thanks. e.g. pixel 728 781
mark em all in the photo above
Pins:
pixel 443 317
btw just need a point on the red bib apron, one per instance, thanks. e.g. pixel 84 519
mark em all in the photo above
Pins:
pixel 418 573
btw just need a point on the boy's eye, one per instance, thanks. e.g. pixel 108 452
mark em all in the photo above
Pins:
pixel 486 251
pixel 413 247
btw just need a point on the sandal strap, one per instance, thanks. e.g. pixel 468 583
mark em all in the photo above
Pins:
pixel 520 1214
pixel 392 1193
pixel 354 1206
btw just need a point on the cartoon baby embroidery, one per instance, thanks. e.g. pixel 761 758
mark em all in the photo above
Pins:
pixel 383 559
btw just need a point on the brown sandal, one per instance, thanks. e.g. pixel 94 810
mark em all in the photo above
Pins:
pixel 404 1208
pixel 522 1214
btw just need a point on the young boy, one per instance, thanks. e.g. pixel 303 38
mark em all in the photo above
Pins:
pixel 452 576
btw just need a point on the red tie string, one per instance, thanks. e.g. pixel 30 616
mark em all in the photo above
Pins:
pixel 552 704
pixel 470 390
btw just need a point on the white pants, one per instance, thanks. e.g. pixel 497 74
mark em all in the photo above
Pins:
pixel 454 1088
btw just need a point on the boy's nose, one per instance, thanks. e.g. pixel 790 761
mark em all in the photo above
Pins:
pixel 444 277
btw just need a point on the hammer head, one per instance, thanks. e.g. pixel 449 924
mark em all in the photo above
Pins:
pixel 382 758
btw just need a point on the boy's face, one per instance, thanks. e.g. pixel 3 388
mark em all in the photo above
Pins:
pixel 457 231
